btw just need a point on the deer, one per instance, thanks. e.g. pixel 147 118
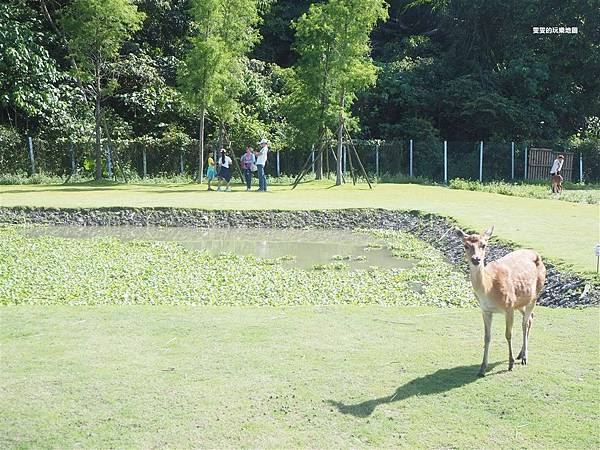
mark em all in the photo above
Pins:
pixel 513 282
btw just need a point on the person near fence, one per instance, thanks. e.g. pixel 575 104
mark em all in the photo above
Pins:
pixel 248 165
pixel 556 178
pixel 224 170
pixel 211 171
pixel 261 162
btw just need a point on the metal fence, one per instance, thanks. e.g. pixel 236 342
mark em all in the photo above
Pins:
pixel 435 160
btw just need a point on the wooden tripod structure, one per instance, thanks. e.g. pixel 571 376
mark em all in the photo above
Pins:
pixel 322 145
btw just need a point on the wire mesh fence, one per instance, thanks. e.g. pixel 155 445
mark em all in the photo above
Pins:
pixel 435 160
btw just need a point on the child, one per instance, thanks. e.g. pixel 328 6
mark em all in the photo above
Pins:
pixel 211 171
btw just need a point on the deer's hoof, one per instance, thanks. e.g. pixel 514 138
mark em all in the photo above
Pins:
pixel 511 364
pixel 481 373
pixel 524 361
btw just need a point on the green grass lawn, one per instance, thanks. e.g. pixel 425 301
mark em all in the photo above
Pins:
pixel 562 231
pixel 343 376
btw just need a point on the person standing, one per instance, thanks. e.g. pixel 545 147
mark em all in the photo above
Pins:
pixel 261 162
pixel 555 172
pixel 247 161
pixel 211 171
pixel 224 170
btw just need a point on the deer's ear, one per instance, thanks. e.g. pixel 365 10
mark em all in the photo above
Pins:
pixel 461 234
pixel 488 233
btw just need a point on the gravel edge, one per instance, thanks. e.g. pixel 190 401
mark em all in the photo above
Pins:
pixel 561 290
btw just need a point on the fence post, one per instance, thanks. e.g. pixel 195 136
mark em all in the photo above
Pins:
pixel 144 166
pixel 277 153
pixel 109 161
pixel 345 155
pixel 31 157
pixel 580 168
pixel 525 170
pixel 377 158
pixel 481 161
pixel 181 162
pixel 512 160
pixel 72 155
pixel 446 162
pixel 411 158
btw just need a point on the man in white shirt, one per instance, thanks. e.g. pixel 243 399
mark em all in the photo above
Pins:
pixel 261 161
pixel 555 176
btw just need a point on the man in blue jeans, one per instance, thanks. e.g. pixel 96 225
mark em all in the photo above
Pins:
pixel 261 161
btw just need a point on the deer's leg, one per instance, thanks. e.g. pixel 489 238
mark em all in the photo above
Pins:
pixel 487 324
pixel 524 324
pixel 527 319
pixel 510 315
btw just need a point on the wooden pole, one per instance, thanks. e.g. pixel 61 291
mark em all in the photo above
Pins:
pixel 321 146
pixel 358 159
pixel 237 165
pixel 118 164
pixel 352 173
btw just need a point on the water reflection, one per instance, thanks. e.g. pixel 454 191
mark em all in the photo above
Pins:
pixel 308 247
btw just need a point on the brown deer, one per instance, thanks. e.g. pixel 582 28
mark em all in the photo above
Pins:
pixel 510 283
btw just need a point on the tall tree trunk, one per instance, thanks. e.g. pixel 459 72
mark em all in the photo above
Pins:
pixel 221 137
pixel 201 147
pixel 98 132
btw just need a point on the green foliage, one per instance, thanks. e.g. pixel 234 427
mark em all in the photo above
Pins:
pixel 571 193
pixel 332 40
pixel 144 272
pixel 96 30
pixel 212 73
pixel 29 76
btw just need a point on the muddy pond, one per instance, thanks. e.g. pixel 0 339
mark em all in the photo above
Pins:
pixel 304 248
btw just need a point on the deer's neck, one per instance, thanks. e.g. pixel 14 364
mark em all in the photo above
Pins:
pixel 481 278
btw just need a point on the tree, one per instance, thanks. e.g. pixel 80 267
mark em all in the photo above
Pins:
pixel 211 77
pixel 95 31
pixel 29 76
pixel 332 40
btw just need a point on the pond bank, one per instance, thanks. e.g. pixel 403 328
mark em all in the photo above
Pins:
pixel 562 289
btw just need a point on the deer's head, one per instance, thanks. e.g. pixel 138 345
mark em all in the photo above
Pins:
pixel 475 245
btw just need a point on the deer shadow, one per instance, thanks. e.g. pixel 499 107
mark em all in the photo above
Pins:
pixel 440 381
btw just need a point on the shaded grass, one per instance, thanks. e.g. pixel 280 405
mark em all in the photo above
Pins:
pixel 562 231
pixel 343 376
